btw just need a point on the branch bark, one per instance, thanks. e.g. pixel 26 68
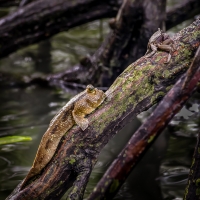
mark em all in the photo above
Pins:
pixel 140 86
pixel 143 138
pixel 182 12
pixel 132 27
pixel 25 2
pixel 44 18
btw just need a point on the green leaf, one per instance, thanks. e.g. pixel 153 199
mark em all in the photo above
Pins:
pixel 13 139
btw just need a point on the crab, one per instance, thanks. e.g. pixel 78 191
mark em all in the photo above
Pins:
pixel 159 40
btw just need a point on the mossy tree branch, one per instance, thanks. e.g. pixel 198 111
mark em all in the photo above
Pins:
pixel 140 86
pixel 147 133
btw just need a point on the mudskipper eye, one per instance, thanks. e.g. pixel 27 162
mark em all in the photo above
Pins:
pixel 90 89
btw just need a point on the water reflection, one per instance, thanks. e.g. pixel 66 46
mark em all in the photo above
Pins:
pixel 24 112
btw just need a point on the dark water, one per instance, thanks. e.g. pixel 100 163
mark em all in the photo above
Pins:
pixel 163 171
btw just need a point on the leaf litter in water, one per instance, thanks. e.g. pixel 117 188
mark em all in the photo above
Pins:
pixel 14 139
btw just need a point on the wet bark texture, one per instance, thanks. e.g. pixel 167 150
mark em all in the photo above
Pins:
pixel 132 28
pixel 142 84
pixel 143 138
